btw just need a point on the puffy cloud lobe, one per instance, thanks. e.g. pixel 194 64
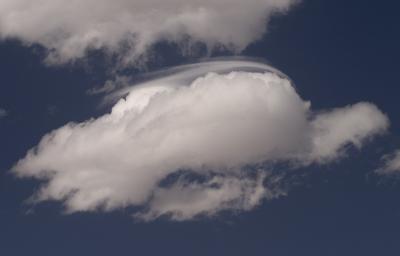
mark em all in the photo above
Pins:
pixel 134 25
pixel 215 127
pixel 351 124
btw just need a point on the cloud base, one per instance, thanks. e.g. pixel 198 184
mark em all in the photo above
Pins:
pixel 130 28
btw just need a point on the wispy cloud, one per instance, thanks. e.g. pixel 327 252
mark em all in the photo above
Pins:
pixel 391 164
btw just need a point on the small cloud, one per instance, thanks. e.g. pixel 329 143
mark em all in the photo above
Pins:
pixel 3 113
pixel 51 110
pixel 110 85
pixel 391 164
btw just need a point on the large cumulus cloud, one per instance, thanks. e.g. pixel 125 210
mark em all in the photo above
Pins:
pixel 198 148
pixel 69 28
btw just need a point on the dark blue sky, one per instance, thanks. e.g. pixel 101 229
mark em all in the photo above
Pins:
pixel 337 52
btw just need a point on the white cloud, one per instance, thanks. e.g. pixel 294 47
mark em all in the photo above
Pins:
pixel 391 164
pixel 220 127
pixel 351 124
pixel 69 28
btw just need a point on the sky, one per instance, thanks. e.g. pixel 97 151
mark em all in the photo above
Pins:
pixel 261 128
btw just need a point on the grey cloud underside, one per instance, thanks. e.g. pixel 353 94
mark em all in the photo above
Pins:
pixel 130 27
pixel 224 128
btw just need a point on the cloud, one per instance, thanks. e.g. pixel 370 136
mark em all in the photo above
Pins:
pixel 391 164
pixel 221 129
pixel 3 113
pixel 184 200
pixel 352 124
pixel 69 28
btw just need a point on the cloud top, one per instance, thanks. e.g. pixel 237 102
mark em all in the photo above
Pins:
pixel 193 149
pixel 69 28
